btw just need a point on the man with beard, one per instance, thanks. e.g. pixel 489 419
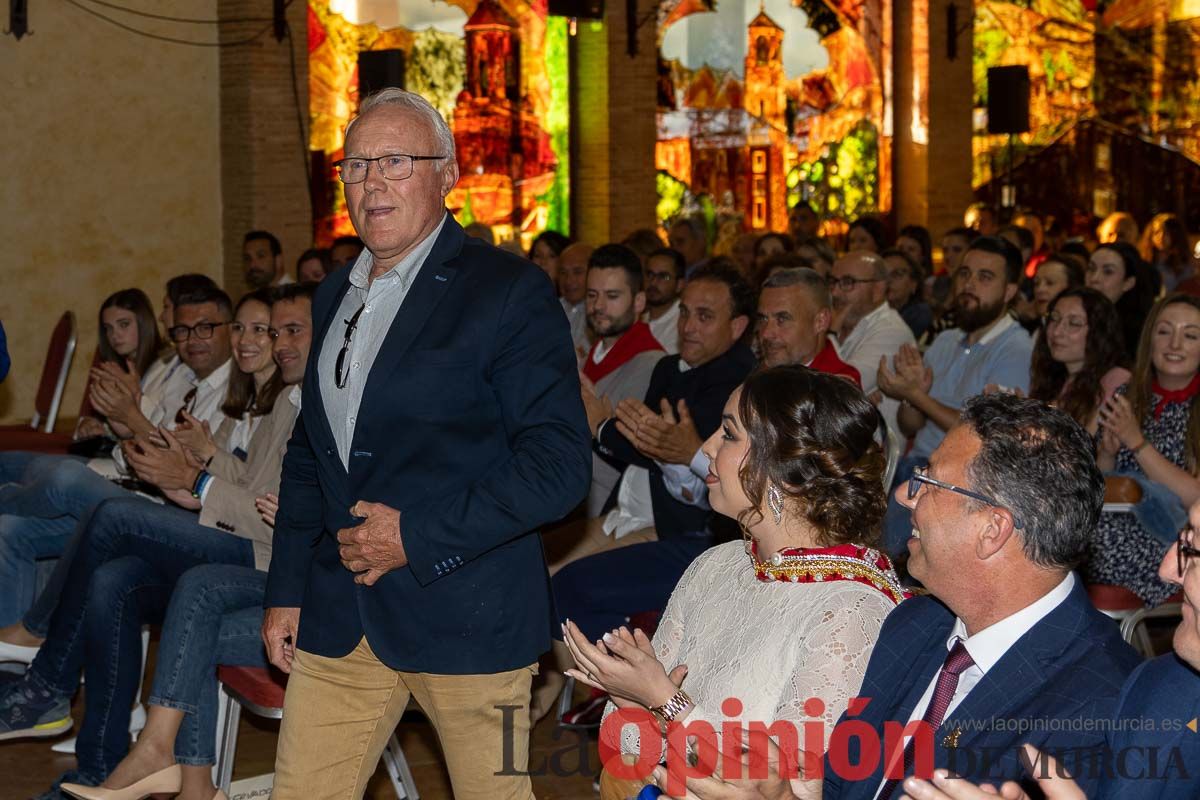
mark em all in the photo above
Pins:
pixel 621 359
pixel 987 347
pixel 262 260
pixel 664 279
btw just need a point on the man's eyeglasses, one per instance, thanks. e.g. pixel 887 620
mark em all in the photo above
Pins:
pixel 847 283
pixel 395 167
pixel 921 475
pixel 202 330
pixel 340 373
pixel 1185 552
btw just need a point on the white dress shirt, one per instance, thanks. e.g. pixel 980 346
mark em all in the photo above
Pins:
pixel 880 333
pixel 666 328
pixel 380 300
pixel 988 646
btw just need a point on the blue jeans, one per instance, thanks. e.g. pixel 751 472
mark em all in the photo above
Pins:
pixel 18 466
pixel 62 487
pixel 129 559
pixel 600 592
pixel 24 540
pixel 1160 512
pixel 215 617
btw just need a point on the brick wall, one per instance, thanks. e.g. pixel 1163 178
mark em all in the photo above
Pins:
pixel 263 180
pixel 614 98
pixel 933 180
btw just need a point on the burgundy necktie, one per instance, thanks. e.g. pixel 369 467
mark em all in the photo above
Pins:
pixel 958 660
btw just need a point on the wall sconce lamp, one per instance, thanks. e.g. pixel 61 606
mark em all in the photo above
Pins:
pixel 18 18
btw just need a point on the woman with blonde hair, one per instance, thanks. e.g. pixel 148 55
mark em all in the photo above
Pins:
pixel 1150 431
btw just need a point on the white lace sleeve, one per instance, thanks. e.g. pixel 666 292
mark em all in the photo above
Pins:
pixel 668 638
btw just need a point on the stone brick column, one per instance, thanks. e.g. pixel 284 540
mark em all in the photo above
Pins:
pixel 932 163
pixel 264 184
pixel 613 102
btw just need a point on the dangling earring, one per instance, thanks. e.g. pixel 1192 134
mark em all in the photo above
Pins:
pixel 775 502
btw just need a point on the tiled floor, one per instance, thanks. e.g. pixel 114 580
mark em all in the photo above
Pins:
pixel 28 768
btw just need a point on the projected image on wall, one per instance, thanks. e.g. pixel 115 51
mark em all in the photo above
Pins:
pixel 496 69
pixel 766 104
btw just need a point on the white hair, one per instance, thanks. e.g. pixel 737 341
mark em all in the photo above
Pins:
pixel 414 102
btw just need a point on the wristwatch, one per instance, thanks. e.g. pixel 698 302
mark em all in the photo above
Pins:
pixel 671 709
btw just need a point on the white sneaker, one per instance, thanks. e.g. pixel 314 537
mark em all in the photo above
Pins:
pixel 137 721
pixel 18 653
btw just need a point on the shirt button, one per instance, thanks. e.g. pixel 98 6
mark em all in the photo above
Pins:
pixel 356 364
pixel 352 420
pixel 367 309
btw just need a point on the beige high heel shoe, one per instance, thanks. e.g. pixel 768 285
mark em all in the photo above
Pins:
pixel 165 781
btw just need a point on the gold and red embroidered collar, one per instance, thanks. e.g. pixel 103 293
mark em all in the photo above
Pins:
pixel 845 562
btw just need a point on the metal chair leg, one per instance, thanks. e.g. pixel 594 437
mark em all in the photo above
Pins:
pixel 233 713
pixel 398 770
pixel 564 698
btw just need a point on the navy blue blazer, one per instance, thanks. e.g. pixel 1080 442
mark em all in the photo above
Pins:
pixel 1153 752
pixel 472 426
pixel 1063 678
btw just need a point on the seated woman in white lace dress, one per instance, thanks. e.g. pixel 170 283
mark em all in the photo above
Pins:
pixel 790 615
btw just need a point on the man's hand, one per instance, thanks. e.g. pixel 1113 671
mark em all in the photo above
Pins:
pixel 1050 779
pixel 160 459
pixel 372 548
pixel 267 506
pixel 909 377
pixel 598 408
pixel 665 437
pixel 279 629
pixel 196 436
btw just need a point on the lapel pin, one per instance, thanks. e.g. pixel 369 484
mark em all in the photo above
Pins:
pixel 951 741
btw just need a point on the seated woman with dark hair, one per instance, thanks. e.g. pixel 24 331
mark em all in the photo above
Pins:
pixel 129 346
pixel 792 613
pixel 1117 271
pixel 1077 361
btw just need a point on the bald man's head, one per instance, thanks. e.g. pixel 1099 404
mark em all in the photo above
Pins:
pixel 858 284
pixel 572 272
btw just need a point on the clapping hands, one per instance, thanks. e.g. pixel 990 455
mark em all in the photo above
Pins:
pixel 623 664
pixel 908 376
pixel 663 436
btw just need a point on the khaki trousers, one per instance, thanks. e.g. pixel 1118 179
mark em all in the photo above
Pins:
pixel 586 537
pixel 339 713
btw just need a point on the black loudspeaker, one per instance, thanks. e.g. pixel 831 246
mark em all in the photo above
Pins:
pixel 577 9
pixel 1008 99
pixel 380 69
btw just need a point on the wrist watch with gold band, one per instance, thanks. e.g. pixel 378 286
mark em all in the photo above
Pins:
pixel 671 709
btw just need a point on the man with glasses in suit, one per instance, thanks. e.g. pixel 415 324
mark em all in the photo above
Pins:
pixel 442 425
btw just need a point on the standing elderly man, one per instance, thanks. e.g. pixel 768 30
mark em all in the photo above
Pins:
pixel 442 424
